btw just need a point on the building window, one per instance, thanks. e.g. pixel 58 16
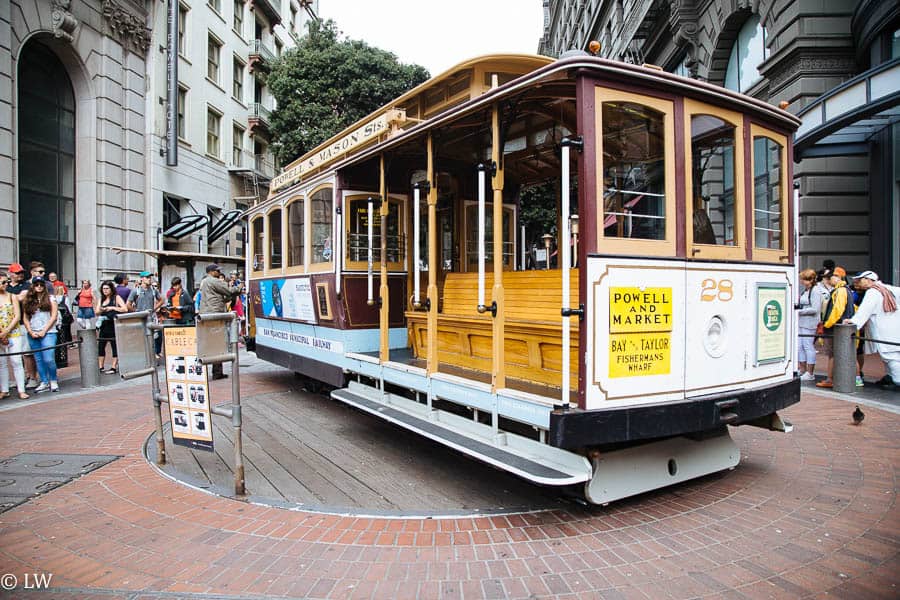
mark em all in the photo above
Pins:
pixel 278 48
pixel 213 56
pixel 293 18
pixel 295 233
pixel 237 85
pixel 237 146
pixel 322 226
pixel 213 129
pixel 216 5
pixel 239 17
pixel 182 29
pixel 182 111
pixel 749 51
pixel 171 211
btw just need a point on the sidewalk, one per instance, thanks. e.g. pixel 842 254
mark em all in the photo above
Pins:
pixel 804 514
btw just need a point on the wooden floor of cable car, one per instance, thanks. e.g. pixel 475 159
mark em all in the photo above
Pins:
pixel 405 356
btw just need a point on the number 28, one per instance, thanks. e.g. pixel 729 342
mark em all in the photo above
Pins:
pixel 710 289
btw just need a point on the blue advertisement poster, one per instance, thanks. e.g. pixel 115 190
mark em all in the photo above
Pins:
pixel 289 298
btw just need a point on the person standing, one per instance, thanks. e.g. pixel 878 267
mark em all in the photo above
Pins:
pixel 59 286
pixel 109 307
pixel 122 288
pixel 179 304
pixel 215 294
pixel 40 314
pixel 63 325
pixel 146 297
pixel 85 301
pixel 11 341
pixel 838 308
pixel 810 305
pixel 879 310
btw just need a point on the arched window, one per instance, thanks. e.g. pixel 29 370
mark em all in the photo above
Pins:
pixel 275 253
pixel 46 162
pixel 295 224
pixel 322 228
pixel 259 243
pixel 747 53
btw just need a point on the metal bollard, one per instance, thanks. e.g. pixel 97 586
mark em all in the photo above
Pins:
pixel 844 369
pixel 87 358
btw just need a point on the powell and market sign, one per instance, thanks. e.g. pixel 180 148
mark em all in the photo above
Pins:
pixel 364 134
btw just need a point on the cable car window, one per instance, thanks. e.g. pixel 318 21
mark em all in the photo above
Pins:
pixel 295 233
pixel 767 197
pixel 634 200
pixel 258 244
pixel 713 177
pixel 358 233
pixel 275 239
pixel 321 206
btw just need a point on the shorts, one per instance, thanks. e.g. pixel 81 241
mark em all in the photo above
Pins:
pixel 827 347
pixel 806 348
pixel 85 312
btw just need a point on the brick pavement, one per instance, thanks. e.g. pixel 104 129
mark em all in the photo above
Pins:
pixel 807 514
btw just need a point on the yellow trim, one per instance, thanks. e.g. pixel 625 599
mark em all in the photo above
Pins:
pixel 328 315
pixel 737 251
pixel 780 255
pixel 615 245
pixel 290 269
pixel 253 248
pixel 362 265
pixel 317 267
pixel 267 234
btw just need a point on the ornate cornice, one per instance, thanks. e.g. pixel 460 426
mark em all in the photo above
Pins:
pixel 129 29
pixel 809 66
pixel 64 22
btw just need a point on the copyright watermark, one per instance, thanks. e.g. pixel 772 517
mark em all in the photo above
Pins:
pixel 27 581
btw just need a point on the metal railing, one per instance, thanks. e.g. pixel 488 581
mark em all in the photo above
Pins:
pixel 260 112
pixel 258 49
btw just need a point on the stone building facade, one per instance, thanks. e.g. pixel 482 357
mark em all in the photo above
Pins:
pixel 72 145
pixel 835 63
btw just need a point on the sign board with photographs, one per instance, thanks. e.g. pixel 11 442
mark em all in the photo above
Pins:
pixel 187 386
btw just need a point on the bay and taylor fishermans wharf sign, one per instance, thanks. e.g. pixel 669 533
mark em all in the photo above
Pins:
pixel 337 148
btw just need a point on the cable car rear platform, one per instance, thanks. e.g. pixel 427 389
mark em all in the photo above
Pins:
pixel 614 452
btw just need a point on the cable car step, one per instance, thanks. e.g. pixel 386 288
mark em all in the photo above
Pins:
pixel 527 458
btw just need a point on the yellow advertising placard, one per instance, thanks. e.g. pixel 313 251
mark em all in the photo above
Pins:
pixel 636 355
pixel 187 386
pixel 639 310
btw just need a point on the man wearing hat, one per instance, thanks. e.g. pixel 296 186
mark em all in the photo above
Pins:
pixel 879 309
pixel 146 297
pixel 18 286
pixel 215 294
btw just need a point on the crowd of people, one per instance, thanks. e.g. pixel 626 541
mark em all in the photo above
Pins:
pixel 37 311
pixel 829 297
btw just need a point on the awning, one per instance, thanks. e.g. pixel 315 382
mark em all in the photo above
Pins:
pixel 842 121
pixel 178 255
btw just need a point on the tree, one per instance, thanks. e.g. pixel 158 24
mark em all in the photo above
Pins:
pixel 325 84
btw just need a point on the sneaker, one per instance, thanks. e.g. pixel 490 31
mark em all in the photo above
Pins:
pixel 859 381
pixel 41 388
pixel 31 383
pixel 54 386
pixel 807 377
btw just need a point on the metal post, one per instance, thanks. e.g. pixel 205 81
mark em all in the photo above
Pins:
pixel 844 361
pixel 87 358
pixel 157 404
pixel 239 487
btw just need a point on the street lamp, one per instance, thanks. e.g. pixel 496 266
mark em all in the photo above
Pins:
pixel 573 220
pixel 547 239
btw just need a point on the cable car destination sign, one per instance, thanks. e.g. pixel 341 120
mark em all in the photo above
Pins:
pixel 640 331
pixel 337 148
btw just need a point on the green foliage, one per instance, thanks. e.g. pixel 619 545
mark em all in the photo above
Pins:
pixel 537 211
pixel 325 84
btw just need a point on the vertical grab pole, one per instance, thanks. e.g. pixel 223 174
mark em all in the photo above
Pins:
pixel 433 264
pixel 565 262
pixel 481 307
pixel 416 226
pixel 370 300
pixel 236 419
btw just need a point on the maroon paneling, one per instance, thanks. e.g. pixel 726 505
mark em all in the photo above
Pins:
pixel 680 192
pixel 360 314
pixel 748 188
pixel 587 208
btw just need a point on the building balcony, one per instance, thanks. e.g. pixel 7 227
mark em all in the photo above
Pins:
pixel 269 8
pixel 260 57
pixel 258 118
pixel 248 164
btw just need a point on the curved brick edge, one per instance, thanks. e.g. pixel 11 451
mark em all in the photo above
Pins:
pixel 803 514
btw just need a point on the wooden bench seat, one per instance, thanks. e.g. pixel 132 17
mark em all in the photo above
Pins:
pixel 533 328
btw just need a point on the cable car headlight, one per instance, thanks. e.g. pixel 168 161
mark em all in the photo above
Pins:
pixel 714 341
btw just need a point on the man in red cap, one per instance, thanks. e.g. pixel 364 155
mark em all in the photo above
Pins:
pixel 18 285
